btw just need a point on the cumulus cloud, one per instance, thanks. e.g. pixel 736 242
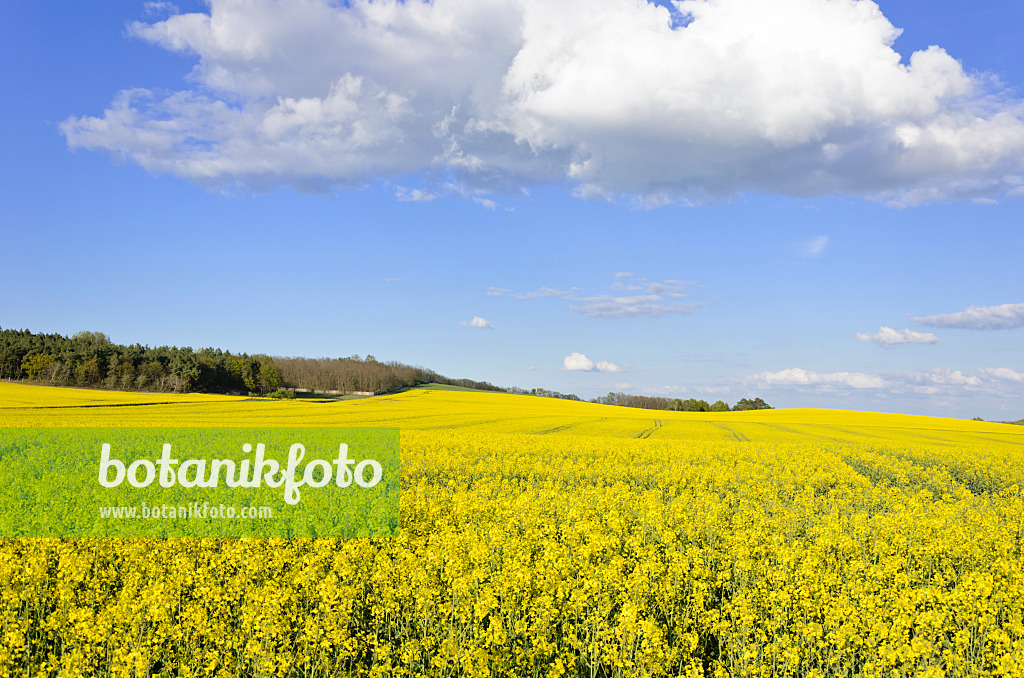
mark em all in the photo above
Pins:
pixel 479 323
pixel 578 362
pixel 657 299
pixel 887 337
pixel 1002 317
pixel 608 97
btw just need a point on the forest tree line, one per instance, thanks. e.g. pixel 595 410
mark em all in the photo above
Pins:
pixel 680 405
pixel 90 359
pixel 362 374
pixel 653 402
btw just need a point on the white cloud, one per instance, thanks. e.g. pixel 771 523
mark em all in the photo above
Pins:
pixel 659 298
pixel 484 202
pixel 577 361
pixel 581 363
pixel 995 381
pixel 1002 317
pixel 542 292
pixel 1002 374
pixel 605 366
pixel 159 8
pixel 479 323
pixel 612 97
pixel 649 305
pixel 931 380
pixel 796 376
pixel 815 247
pixel 887 337
pixel 414 194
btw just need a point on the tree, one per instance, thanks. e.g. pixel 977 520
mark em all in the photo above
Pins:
pixel 694 405
pixel 748 404
pixel 38 365
pixel 719 406
pixel 268 376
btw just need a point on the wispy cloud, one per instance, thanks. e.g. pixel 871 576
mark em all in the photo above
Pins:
pixel 815 247
pixel 999 381
pixel 479 323
pixel 404 194
pixel 542 292
pixel 796 376
pixel 658 299
pixel 1002 374
pixel 578 362
pixel 1002 317
pixel 887 337
pixel 649 305
pixel 154 9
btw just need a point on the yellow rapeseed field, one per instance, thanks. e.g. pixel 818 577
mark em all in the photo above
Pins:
pixel 552 538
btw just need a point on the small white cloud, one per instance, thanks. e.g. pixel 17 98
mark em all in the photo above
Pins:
pixel 414 195
pixel 1002 317
pixel 649 305
pixel 394 280
pixel 887 337
pixel 578 362
pixel 479 323
pixel 531 368
pixel 816 247
pixel 154 9
pixel 542 292
pixel 484 202
pixel 659 298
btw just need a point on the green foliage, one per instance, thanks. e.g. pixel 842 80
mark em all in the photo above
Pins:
pixel 37 366
pixel 748 404
pixel 677 404
pixel 91 359
pixel 282 394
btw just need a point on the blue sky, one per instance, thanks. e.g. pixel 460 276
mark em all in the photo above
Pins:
pixel 711 202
